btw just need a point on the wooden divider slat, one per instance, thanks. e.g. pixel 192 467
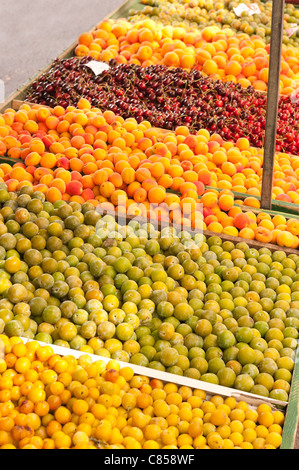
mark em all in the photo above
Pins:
pixel 125 219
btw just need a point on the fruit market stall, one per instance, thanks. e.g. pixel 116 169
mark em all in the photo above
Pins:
pixel 67 378
pixel 203 331
pixel 134 234
pixel 258 68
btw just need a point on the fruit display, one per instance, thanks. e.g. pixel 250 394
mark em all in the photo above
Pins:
pixel 84 155
pixel 169 98
pixel 189 305
pixel 148 300
pixel 51 401
pixel 225 13
pixel 275 229
pixel 219 54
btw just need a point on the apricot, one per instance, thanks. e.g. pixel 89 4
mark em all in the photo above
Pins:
pixel 241 220
pixel 209 199
pixel 226 202
pixel 263 234
pixel 74 188
pixel 292 226
pixel 156 195
pixel 285 238
pixel 247 233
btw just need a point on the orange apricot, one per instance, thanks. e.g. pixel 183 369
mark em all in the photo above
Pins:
pixel 156 195
pixel 226 202
pixel 53 194
pixel 241 220
pixel 263 234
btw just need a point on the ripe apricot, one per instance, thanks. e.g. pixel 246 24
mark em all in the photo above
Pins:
pixel 241 220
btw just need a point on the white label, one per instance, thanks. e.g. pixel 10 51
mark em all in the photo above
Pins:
pixel 251 9
pixel 292 29
pixel 97 67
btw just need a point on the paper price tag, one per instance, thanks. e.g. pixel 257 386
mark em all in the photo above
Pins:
pixel 252 9
pixel 97 67
pixel 292 29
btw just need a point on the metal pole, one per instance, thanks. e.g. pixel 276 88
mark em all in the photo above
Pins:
pixel 272 102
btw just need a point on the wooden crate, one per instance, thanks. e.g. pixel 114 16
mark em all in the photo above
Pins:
pixel 287 209
pixel 124 219
pixel 291 427
pixel 290 409
pixel 278 207
pixel 290 436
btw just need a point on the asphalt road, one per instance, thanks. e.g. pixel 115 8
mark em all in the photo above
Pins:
pixel 34 32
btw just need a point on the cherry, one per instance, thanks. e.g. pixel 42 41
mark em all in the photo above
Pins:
pixel 169 98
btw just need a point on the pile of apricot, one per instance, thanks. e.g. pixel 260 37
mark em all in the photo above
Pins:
pixel 49 401
pixel 223 213
pixel 201 13
pixel 83 155
pixel 220 54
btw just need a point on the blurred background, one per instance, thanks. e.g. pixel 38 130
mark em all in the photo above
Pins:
pixel 34 32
